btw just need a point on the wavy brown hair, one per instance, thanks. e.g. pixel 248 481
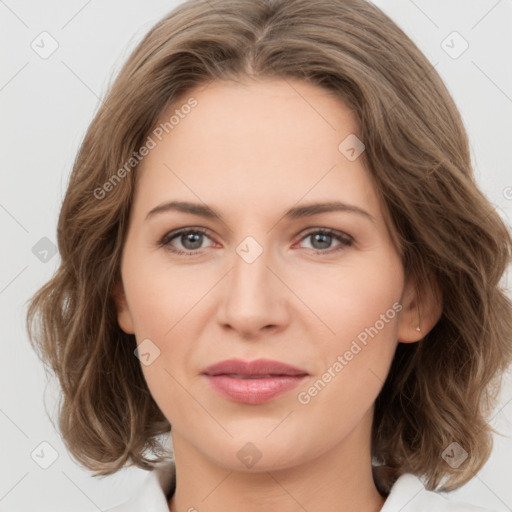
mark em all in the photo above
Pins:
pixel 439 390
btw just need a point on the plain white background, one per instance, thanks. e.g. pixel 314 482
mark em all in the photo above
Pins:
pixel 46 106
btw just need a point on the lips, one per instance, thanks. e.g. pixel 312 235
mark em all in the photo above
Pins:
pixel 253 369
pixel 253 382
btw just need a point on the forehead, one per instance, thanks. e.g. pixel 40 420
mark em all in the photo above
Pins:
pixel 269 142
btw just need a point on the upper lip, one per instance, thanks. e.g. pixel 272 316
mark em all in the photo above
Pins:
pixel 258 367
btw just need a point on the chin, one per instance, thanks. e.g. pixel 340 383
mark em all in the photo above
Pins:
pixel 255 454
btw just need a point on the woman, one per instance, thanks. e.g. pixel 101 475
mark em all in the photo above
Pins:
pixel 272 242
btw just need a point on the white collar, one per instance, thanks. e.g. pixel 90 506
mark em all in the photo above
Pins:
pixel 408 494
pixel 151 495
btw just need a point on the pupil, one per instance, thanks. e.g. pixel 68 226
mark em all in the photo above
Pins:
pixel 193 239
pixel 323 239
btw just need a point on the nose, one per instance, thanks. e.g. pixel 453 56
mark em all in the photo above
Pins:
pixel 254 298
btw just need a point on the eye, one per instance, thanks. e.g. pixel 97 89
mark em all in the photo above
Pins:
pixel 322 239
pixel 191 239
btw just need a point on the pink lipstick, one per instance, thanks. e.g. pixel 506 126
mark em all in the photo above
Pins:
pixel 253 382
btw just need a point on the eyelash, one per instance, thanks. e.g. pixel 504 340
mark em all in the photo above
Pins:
pixel 346 241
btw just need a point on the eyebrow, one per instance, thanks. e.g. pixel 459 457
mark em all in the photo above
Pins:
pixel 296 212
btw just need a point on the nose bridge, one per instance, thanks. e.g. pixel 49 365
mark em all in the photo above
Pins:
pixel 253 298
pixel 250 280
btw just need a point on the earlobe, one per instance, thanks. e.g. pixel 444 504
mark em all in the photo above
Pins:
pixel 421 311
pixel 124 318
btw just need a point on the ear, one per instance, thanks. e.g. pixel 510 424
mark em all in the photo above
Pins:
pixel 124 317
pixel 422 306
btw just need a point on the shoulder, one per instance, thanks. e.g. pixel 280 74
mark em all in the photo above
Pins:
pixel 408 494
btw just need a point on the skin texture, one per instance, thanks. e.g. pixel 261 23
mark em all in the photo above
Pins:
pixel 250 152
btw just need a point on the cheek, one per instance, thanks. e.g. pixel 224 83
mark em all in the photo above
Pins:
pixel 360 306
pixel 160 295
pixel 351 298
pixel 152 306
pixel 164 304
pixel 161 313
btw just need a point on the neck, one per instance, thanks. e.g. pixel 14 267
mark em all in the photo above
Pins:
pixel 340 479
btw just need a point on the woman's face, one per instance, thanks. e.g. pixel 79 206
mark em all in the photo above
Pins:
pixel 276 269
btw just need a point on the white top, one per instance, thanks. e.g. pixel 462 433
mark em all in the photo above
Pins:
pixel 408 494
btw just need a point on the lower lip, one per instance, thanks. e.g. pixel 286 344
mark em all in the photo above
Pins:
pixel 253 391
